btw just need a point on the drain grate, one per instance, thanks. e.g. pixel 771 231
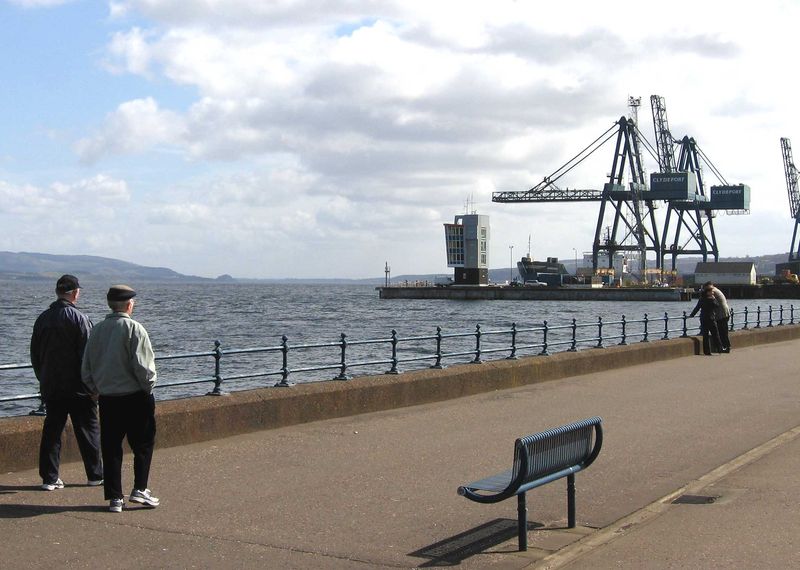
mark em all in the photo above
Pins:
pixel 695 500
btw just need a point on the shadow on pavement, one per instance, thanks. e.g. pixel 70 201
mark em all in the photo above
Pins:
pixel 8 489
pixel 451 551
pixel 10 511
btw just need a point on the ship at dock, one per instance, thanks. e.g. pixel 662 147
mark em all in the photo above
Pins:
pixel 532 271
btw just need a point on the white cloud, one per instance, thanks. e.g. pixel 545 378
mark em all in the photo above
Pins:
pixel 129 52
pixel 89 215
pixel 33 202
pixel 134 127
pixel 304 127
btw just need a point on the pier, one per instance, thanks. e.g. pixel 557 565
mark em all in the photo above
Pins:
pixel 505 293
pixel 378 490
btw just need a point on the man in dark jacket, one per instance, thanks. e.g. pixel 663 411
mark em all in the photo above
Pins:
pixel 708 307
pixel 57 344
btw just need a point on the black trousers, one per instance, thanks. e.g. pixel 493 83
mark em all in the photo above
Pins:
pixel 722 325
pixel 131 416
pixel 82 410
pixel 711 338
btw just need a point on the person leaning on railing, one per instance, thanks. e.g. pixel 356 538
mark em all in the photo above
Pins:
pixel 708 307
pixel 723 315
pixel 119 364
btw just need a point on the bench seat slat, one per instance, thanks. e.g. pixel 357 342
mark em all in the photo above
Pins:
pixel 496 483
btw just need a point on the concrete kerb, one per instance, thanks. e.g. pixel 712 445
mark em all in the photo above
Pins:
pixel 205 418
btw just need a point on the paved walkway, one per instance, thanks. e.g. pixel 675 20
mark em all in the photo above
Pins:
pixel 379 490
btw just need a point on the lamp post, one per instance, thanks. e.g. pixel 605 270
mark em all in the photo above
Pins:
pixel 576 261
pixel 511 268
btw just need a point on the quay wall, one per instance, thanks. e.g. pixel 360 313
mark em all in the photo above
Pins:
pixel 534 293
pixel 203 418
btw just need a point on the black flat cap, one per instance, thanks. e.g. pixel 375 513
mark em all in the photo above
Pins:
pixel 120 293
pixel 67 283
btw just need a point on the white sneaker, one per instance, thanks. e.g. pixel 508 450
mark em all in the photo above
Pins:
pixel 115 505
pixel 59 484
pixel 144 497
pixel 94 483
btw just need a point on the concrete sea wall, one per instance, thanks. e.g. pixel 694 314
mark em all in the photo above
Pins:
pixel 204 418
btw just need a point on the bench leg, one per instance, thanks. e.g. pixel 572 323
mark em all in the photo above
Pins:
pixel 571 501
pixel 522 522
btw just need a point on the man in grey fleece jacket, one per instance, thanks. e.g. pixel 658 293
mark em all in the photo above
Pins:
pixel 119 365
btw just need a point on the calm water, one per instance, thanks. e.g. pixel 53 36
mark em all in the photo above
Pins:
pixel 185 318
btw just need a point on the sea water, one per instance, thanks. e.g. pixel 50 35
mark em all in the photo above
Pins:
pixel 188 318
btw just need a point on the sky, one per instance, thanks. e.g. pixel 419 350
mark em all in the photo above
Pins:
pixel 308 139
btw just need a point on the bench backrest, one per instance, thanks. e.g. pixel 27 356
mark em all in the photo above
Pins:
pixel 551 451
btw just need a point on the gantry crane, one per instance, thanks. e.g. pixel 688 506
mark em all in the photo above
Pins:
pixel 679 182
pixel 632 211
pixel 794 197
pixel 690 208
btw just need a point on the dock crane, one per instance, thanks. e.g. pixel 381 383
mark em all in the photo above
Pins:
pixel 632 211
pixel 689 207
pixel 794 195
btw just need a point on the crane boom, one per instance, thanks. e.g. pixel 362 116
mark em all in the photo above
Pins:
pixel 664 138
pixel 791 177
pixel 549 192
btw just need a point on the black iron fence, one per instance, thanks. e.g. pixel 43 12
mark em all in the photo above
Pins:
pixel 316 361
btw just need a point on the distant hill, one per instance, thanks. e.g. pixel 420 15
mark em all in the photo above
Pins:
pixel 26 265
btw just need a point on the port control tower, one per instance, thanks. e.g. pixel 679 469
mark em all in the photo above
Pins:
pixel 467 243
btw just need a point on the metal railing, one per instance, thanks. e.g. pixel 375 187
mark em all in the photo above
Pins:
pixel 436 348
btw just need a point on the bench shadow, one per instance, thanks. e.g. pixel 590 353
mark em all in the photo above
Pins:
pixel 452 551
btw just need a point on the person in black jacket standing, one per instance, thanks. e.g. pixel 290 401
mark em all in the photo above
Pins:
pixel 57 344
pixel 709 309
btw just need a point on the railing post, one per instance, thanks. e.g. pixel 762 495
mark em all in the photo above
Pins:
pixel 513 355
pixel 438 364
pixel 217 391
pixel 666 327
pixel 477 359
pixel 544 351
pixel 599 332
pixel 644 338
pixel 624 340
pixel 780 315
pixel 730 322
pixel 791 314
pixel 758 316
pixel 685 329
pixel 343 365
pixel 393 369
pixel 285 364
pixel 769 323
pixel 574 346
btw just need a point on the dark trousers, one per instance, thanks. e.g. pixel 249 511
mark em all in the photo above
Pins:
pixel 711 338
pixel 82 410
pixel 722 325
pixel 131 416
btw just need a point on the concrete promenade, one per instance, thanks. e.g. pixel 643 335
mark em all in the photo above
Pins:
pixel 379 490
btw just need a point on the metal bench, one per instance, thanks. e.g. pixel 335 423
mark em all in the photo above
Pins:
pixel 540 459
